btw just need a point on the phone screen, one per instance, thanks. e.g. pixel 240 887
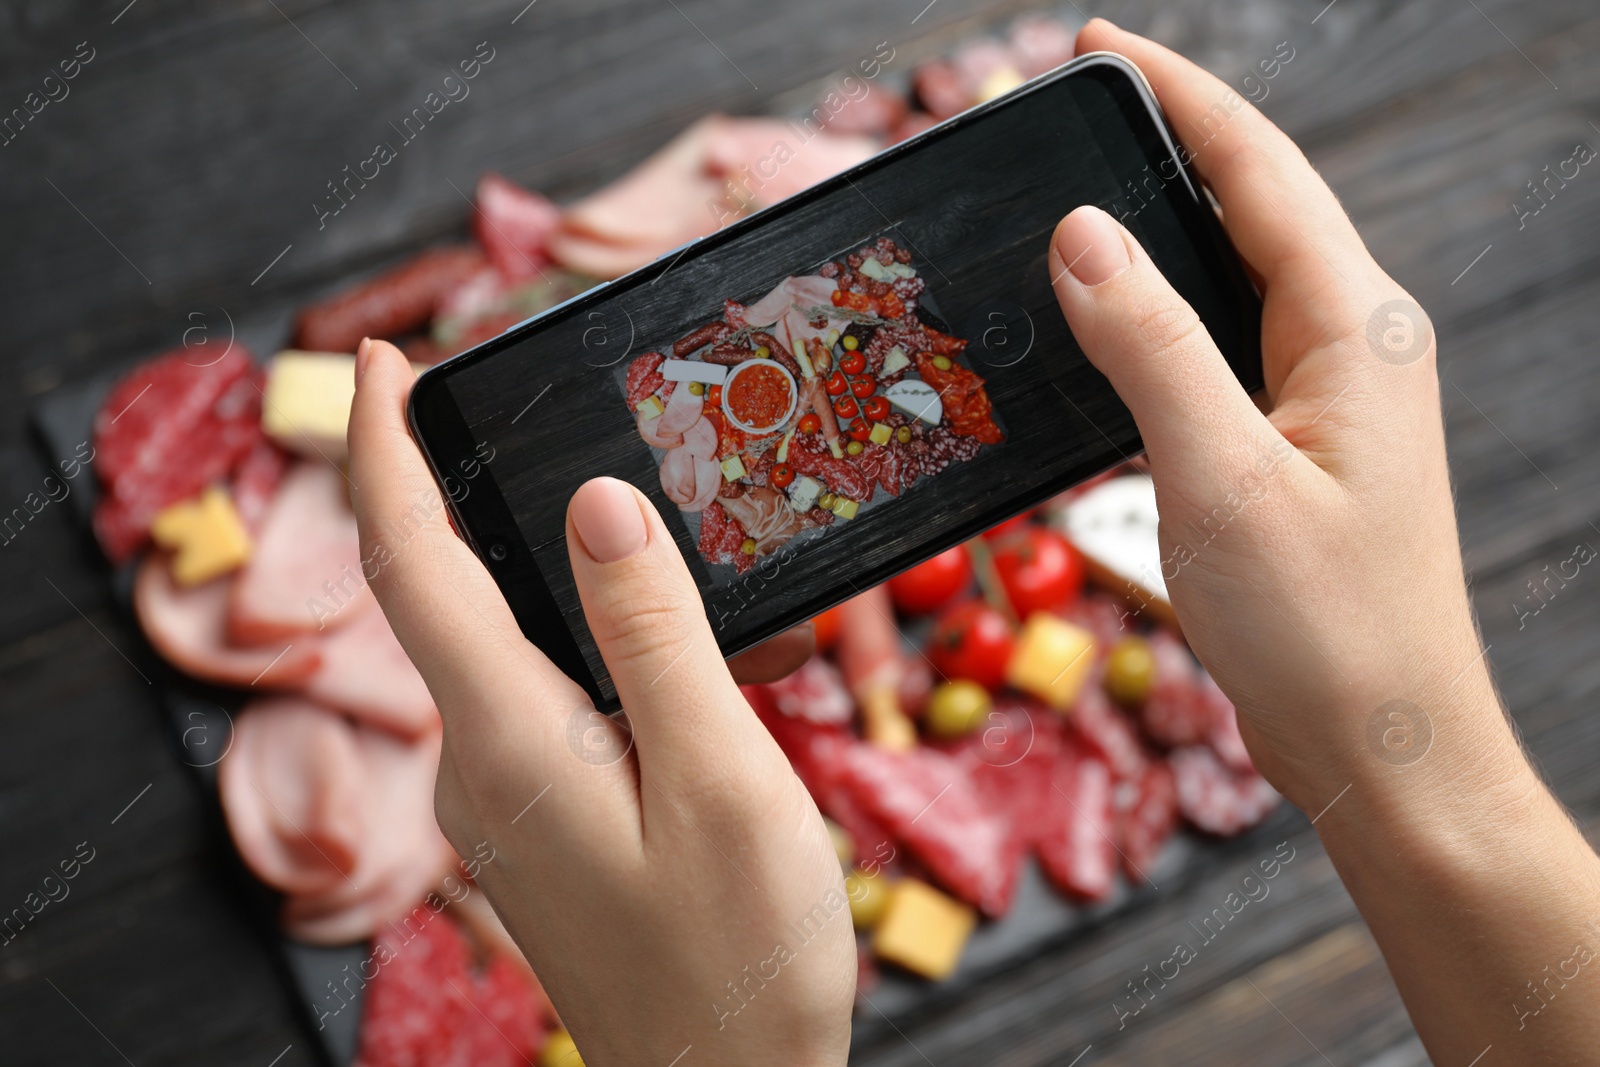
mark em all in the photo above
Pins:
pixel 827 392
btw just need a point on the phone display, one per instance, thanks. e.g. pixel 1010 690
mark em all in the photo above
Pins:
pixel 842 385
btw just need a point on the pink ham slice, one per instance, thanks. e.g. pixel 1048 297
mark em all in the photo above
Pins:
pixel 292 803
pixel 338 816
pixel 186 626
pixel 660 203
pixel 746 151
pixel 305 573
pixel 788 307
pixel 367 674
pixel 683 411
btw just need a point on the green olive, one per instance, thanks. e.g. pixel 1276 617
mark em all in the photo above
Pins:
pixel 749 546
pixel 869 897
pixel 941 362
pixel 826 501
pixel 957 708
pixel 697 388
pixel 763 352
pixel 855 448
pixel 850 342
pixel 1130 671
pixel 903 435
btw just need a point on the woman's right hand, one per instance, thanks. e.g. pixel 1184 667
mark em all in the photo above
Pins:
pixel 1311 555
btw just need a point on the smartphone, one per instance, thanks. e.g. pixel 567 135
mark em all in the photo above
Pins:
pixel 842 385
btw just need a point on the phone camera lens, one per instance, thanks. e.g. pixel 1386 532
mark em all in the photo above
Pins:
pixel 497 552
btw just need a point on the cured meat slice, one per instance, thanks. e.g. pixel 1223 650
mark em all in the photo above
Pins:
pixel 1174 714
pixel 1147 813
pixel 1076 848
pixel 1215 799
pixel 292 796
pixel 255 482
pixel 967 408
pixel 595 258
pixel 815 692
pixel 305 573
pixel 402 852
pixel 366 673
pixel 1109 734
pixel 1012 758
pixel 391 305
pixel 186 626
pixel 722 539
pixel 840 476
pixel 745 151
pixel 1223 735
pixel 658 204
pixel 512 224
pixel 766 516
pixel 690 481
pixel 683 411
pixel 427 1006
pixel 928 802
pixel 644 377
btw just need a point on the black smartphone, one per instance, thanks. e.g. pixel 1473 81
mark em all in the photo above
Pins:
pixel 835 388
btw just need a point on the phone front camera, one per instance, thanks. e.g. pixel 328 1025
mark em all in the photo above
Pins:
pixel 497 551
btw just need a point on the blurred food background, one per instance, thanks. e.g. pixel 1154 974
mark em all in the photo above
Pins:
pixel 1036 788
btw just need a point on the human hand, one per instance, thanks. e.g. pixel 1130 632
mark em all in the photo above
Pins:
pixel 671 888
pixel 1310 552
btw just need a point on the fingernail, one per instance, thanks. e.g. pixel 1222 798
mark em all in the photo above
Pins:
pixel 607 519
pixel 362 351
pixel 1090 243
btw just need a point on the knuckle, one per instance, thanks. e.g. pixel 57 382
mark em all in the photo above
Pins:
pixel 1164 326
pixel 633 620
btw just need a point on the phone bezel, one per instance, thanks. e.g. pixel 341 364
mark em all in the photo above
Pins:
pixel 442 435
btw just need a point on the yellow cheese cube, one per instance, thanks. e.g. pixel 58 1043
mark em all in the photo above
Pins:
pixel 1052 659
pixel 651 406
pixel 733 468
pixel 206 536
pixel 881 433
pixel 844 507
pixel 923 930
pixel 306 406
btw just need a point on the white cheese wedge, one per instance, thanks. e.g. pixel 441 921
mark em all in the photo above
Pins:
pixel 916 398
pixel 903 270
pixel 1115 526
pixel 896 359
pixel 804 492
pixel 693 370
pixel 307 402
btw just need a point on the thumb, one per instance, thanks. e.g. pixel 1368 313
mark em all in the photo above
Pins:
pixel 647 618
pixel 1196 419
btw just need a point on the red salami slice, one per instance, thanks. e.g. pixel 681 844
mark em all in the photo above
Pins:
pixel 513 224
pixel 1011 759
pixel 186 626
pixel 644 377
pixel 1224 737
pixel 305 573
pixel 1215 799
pixel 1109 734
pixel 428 1007
pixel 808 455
pixel 1147 813
pixel 1076 847
pixel 929 803
pixel 1173 714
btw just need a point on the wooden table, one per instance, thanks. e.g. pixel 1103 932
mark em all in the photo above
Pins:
pixel 173 189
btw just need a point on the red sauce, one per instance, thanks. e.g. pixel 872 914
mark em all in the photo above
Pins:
pixel 759 396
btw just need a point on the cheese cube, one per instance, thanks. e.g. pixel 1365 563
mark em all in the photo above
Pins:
pixel 804 492
pixel 651 406
pixel 1052 659
pixel 844 507
pixel 205 534
pixel 923 930
pixel 306 406
pixel 875 270
pixel 733 468
pixel 881 433
pixel 895 359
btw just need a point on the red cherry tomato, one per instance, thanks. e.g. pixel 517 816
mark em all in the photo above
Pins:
pixel 860 431
pixel 852 362
pixel 846 407
pixel 782 476
pixel 714 396
pixel 1039 570
pixel 972 640
pixel 877 409
pixel 1011 525
pixel 864 386
pixel 810 423
pixel 836 384
pixel 931 585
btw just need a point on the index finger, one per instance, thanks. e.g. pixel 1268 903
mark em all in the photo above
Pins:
pixel 1281 215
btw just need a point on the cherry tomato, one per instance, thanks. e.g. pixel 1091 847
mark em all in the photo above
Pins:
pixel 714 396
pixel 782 476
pixel 973 641
pixel 846 407
pixel 826 627
pixel 1039 570
pixel 860 431
pixel 931 585
pixel 810 423
pixel 877 409
pixel 853 363
pixel 864 386
pixel 836 384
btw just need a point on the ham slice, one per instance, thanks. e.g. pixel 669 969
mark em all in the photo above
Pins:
pixel 292 803
pixel 691 482
pixel 366 673
pixel 768 160
pixel 187 628
pixel 305 573
pixel 683 410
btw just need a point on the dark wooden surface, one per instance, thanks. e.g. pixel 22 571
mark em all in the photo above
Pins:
pixel 187 157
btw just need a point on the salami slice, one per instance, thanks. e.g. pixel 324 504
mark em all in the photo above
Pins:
pixel 1215 799
pixel 1147 813
pixel 1174 714
pixel 1077 848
